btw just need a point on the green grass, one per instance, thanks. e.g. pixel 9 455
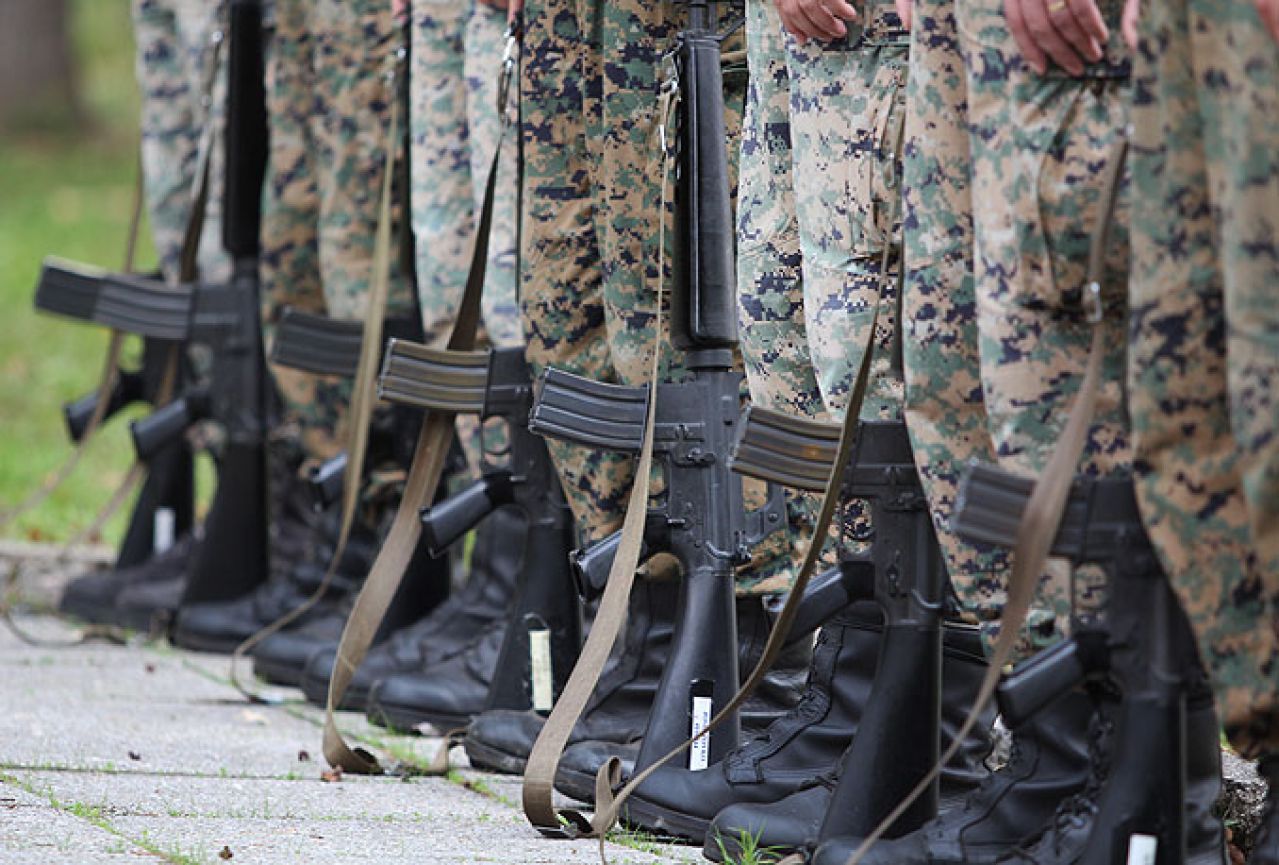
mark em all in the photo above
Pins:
pixel 65 189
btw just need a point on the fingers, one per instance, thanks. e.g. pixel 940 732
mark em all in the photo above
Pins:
pixel 1042 28
pixel 816 19
pixel 1132 16
pixel 1087 17
pixel 1021 33
pixel 1269 11
pixel 904 9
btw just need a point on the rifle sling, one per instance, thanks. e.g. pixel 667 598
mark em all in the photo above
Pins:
pixel 429 458
pixel 111 363
pixel 1048 500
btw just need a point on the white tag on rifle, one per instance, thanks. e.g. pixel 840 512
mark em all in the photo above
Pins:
pixel 1142 849
pixel 539 652
pixel 699 753
pixel 163 529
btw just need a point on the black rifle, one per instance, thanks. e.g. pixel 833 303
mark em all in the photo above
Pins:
pixel 84 293
pixel 232 557
pixel 542 644
pixel 329 346
pixel 1145 643
pixel 701 519
pixel 897 740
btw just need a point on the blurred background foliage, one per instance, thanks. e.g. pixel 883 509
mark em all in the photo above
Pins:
pixel 68 165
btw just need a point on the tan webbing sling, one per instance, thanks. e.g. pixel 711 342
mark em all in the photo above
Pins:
pixel 1047 501
pixel 363 394
pixel 429 457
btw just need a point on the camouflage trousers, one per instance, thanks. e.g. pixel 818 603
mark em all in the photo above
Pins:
pixel 816 207
pixel 330 73
pixel 591 202
pixel 457 51
pixel 1204 349
pixel 183 93
pixel 456 61
pixel 966 291
pixel 1040 145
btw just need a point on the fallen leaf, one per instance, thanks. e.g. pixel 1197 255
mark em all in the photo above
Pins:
pixel 252 717
pixel 134 755
pixel 225 853
pixel 304 757
pixel 331 775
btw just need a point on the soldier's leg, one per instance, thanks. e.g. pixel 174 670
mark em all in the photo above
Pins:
pixel 1202 314
pixel 1039 145
pixel 846 108
pixel 199 25
pixel 559 284
pixel 443 228
pixel 356 44
pixel 485 48
pixel 174 66
pixel 770 296
pixel 944 407
pixel 289 264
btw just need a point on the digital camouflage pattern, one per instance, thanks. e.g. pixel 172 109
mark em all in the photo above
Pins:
pixel 1205 338
pixel 815 209
pixel 1040 146
pixel 330 90
pixel 591 200
pixel 183 93
pixel 456 52
pixel 945 404
pixel 456 60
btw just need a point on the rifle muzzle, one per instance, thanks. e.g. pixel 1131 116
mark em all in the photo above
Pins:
pixel 1049 675
pixel 128 388
pixel 164 425
pixel 445 523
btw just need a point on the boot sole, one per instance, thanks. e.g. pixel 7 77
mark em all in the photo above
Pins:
pixel 408 720
pixel 354 700
pixel 641 814
pixel 197 642
pixel 494 760
pixel 277 674
pixel 576 785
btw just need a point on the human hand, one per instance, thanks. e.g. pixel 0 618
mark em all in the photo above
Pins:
pixel 1132 17
pixel 1269 12
pixel 1070 32
pixel 822 20
pixel 904 10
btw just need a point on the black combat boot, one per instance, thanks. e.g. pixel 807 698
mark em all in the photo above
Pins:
pixel 1048 763
pixel 1265 849
pixel 302 543
pixel 450 629
pixel 95 597
pixel 617 713
pixel 794 818
pixel 795 748
pixel 446 695
pixel 282 657
pixel 1063 840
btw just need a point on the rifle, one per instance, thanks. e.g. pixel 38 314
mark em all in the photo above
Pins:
pixel 541 648
pixel 329 346
pixel 87 294
pixel 898 737
pixel 701 519
pixel 232 557
pixel 1144 641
